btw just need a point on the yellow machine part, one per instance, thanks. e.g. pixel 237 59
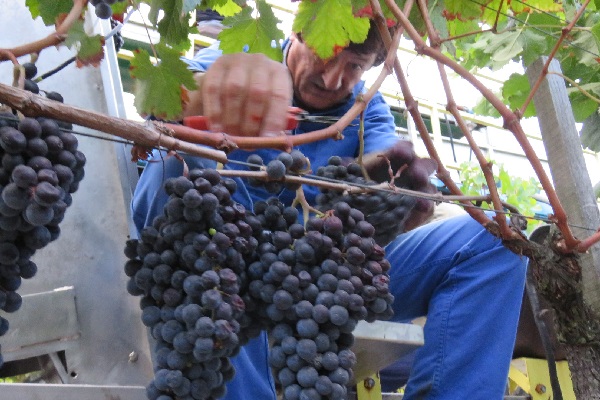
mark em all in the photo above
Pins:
pixel 532 376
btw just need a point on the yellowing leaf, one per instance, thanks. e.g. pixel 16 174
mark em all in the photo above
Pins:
pixel 246 33
pixel 158 88
pixel 535 6
pixel 228 9
pixel 462 10
pixel 49 10
pixel 90 50
pixel 329 25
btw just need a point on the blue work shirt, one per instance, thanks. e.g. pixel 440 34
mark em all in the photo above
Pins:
pixel 253 379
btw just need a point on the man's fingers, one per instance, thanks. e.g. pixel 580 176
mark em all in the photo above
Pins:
pixel 259 86
pixel 247 94
pixel 234 96
pixel 275 119
pixel 211 93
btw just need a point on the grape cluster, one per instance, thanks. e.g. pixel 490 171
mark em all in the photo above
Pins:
pixel 40 168
pixel 189 266
pixel 103 8
pixel 212 275
pixel 315 284
pixel 285 163
pixel 385 210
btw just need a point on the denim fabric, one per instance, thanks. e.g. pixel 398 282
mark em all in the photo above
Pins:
pixel 470 288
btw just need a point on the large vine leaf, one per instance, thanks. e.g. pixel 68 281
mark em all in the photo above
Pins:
pixel 534 45
pixel 174 26
pixel 49 10
pixel 582 105
pixel 328 26
pixel 462 10
pixel 159 87
pixel 190 5
pixel 589 132
pixel 226 8
pixel 246 33
pixel 90 50
pixel 515 91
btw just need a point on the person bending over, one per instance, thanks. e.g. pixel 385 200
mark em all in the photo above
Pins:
pixel 467 284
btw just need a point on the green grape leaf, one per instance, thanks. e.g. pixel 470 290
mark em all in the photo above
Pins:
pixel 158 88
pixel 503 47
pixel 90 50
pixel 596 33
pixel 253 35
pixel 582 105
pixel 484 107
pixel 119 7
pixel 49 10
pixel 496 10
pixel 174 26
pixel 534 46
pixel 328 26
pixel 590 132
pixel 515 91
pixel 462 10
pixel 228 9
pixel 586 50
pixel 535 5
pixel 190 5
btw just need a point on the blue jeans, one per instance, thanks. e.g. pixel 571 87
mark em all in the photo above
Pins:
pixel 470 288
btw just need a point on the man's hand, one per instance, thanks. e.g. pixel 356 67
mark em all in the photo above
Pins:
pixel 244 94
pixel 413 174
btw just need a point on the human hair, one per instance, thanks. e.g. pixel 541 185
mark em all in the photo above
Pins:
pixel 372 44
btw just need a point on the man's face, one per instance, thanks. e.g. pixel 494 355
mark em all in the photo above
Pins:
pixel 320 85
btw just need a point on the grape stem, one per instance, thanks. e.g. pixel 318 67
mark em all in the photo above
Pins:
pixel 351 187
pixel 306 208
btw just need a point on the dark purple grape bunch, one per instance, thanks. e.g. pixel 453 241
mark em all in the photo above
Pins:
pixel 293 163
pixel 385 210
pixel 189 266
pixel 103 9
pixel 40 169
pixel 310 287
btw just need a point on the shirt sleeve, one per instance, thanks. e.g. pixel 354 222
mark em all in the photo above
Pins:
pixel 204 58
pixel 380 130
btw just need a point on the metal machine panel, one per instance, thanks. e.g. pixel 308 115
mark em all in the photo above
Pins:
pixel 45 323
pixel 41 391
pixel 380 343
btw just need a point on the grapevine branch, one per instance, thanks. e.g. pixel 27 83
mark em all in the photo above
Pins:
pixel 150 135
pixel 562 37
pixel 511 122
pixel 486 166
pixel 413 109
pixel 54 39
pixel 228 143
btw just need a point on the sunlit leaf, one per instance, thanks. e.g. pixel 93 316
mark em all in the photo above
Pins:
pixel 515 91
pixel 90 50
pixel 253 35
pixel 158 88
pixel 590 132
pixel 462 10
pixel 49 10
pixel 328 26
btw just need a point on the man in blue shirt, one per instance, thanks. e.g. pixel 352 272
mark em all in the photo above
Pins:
pixel 452 271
